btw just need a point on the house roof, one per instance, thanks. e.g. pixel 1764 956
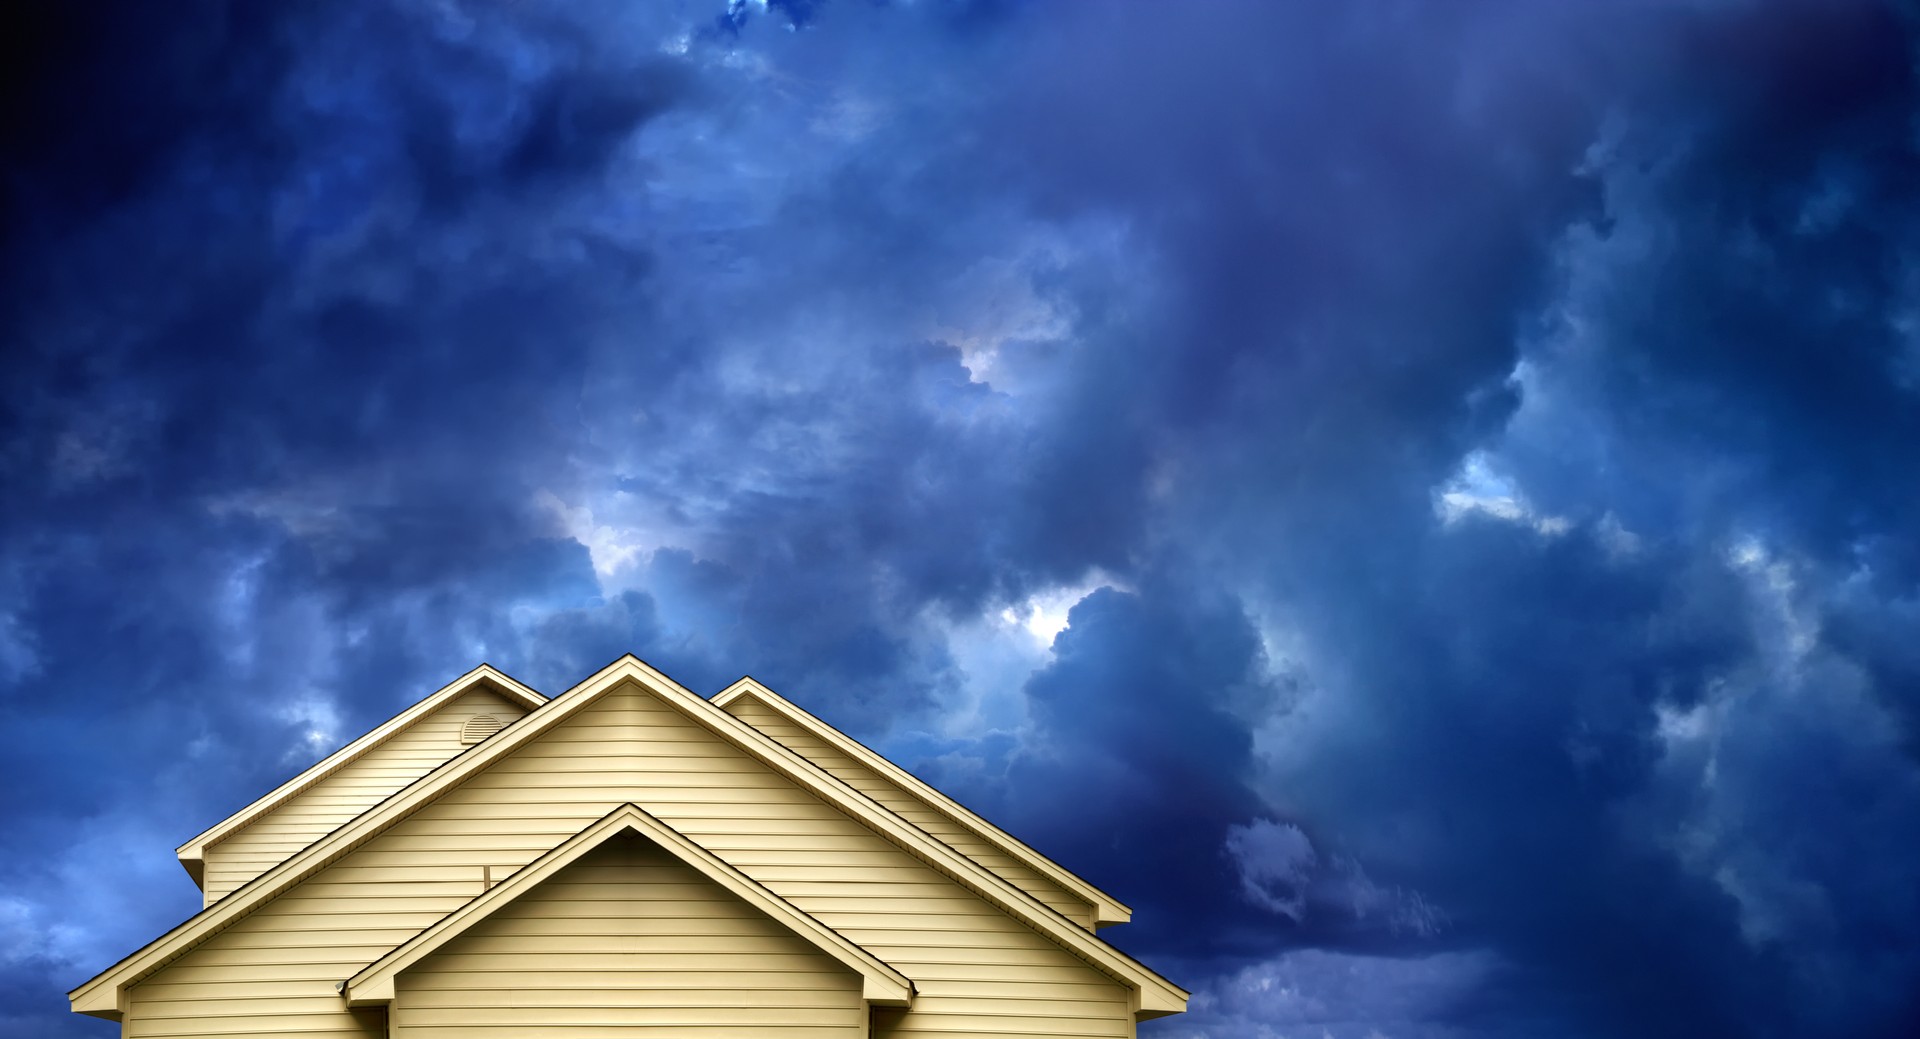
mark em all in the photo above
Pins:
pixel 1153 995
pixel 193 853
pixel 881 985
pixel 1108 910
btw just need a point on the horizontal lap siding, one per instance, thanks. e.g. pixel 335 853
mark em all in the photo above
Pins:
pixel 897 907
pixel 353 788
pixel 628 937
pixel 630 747
pixel 274 971
pixel 910 807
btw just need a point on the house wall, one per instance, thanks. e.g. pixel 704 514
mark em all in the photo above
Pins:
pixel 628 937
pixel 355 787
pixel 977 970
pixel 910 807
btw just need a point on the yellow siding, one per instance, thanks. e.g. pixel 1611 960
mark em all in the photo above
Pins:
pixel 907 806
pixel 355 787
pixel 977 970
pixel 626 937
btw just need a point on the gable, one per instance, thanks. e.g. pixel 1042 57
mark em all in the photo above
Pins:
pixel 352 779
pixel 920 804
pixel 629 938
pixel 630 734
pixel 629 876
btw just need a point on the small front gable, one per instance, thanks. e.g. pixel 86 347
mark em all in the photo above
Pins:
pixel 628 938
pixel 629 924
pixel 356 777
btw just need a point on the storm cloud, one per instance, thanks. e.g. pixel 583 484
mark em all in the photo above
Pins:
pixel 1416 499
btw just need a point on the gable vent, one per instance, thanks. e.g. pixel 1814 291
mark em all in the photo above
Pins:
pixel 479 727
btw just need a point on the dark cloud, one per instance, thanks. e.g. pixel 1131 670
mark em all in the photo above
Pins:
pixel 1750 282
pixel 1466 448
pixel 1143 715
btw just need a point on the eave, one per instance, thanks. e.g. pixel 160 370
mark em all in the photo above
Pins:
pixel 1107 909
pixel 193 854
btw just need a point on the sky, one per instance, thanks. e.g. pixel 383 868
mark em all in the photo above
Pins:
pixel 1416 498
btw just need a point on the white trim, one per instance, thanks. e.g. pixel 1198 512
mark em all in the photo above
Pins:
pixel 193 854
pixel 1107 909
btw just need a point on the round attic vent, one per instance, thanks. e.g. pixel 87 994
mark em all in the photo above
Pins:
pixel 479 727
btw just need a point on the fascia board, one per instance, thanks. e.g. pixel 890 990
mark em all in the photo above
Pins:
pixel 1107 909
pixel 1154 992
pixel 192 854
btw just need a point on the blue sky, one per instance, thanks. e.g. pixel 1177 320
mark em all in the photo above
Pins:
pixel 1416 498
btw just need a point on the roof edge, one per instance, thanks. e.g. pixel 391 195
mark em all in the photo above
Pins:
pixel 1155 993
pixel 882 985
pixel 192 854
pixel 1107 909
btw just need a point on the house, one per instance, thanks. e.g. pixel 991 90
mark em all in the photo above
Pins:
pixel 626 858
